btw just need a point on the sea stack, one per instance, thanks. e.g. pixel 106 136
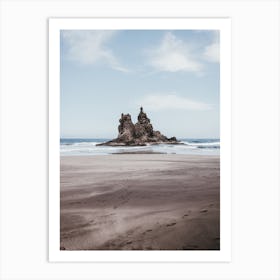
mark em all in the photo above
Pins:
pixel 139 134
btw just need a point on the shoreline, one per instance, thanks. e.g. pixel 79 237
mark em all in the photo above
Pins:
pixel 138 153
pixel 140 202
pixel 84 147
pixel 62 155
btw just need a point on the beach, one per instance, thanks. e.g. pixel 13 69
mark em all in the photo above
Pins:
pixel 140 202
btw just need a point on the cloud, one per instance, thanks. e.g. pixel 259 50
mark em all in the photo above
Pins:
pixel 158 102
pixel 173 55
pixel 212 51
pixel 89 47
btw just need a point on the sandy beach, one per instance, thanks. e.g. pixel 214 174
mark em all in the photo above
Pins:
pixel 140 202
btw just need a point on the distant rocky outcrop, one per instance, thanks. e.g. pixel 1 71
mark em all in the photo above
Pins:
pixel 139 134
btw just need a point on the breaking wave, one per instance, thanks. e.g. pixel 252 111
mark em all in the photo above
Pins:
pixel 72 146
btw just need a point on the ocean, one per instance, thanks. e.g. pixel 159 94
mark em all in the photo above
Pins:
pixel 75 147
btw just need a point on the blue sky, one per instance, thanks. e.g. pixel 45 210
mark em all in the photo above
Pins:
pixel 173 74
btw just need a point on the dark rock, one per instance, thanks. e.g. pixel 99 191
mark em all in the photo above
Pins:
pixel 173 139
pixel 126 129
pixel 140 134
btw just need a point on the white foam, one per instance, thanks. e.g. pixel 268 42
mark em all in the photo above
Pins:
pixel 202 143
pixel 90 148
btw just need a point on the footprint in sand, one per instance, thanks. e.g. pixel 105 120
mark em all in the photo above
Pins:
pixel 171 224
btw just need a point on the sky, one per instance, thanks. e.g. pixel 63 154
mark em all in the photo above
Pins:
pixel 173 74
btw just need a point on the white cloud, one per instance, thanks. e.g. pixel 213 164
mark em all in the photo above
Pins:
pixel 173 55
pixel 158 102
pixel 212 51
pixel 89 47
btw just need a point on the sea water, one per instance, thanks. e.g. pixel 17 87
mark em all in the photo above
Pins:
pixel 74 147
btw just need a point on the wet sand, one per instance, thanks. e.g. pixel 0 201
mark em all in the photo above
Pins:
pixel 140 202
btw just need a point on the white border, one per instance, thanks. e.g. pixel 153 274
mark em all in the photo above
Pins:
pixel 55 25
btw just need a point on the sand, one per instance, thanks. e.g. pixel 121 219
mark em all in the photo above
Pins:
pixel 140 202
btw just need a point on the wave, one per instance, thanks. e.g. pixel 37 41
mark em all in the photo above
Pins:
pixel 89 147
pixel 82 144
pixel 203 145
pixel 209 147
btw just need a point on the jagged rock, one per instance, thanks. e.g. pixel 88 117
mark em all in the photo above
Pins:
pixel 143 128
pixel 126 129
pixel 159 137
pixel 140 134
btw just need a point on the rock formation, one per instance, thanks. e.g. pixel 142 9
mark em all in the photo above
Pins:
pixel 139 134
